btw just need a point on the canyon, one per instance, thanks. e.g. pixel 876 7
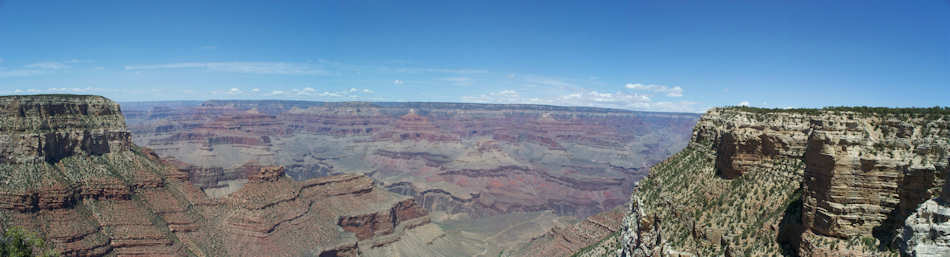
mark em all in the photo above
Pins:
pixel 798 182
pixel 288 178
pixel 532 169
pixel 285 178
pixel 71 174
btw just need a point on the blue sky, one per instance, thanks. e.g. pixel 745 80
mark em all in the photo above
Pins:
pixel 655 55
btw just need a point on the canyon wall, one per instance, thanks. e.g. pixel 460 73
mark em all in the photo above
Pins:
pixel 70 173
pixel 49 128
pixel 829 182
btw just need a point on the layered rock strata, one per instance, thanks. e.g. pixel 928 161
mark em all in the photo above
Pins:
pixel 69 171
pixel 99 195
pixel 476 159
pixel 52 127
pixel 830 182
pixel 274 215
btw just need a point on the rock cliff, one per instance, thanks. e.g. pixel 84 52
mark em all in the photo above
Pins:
pixel 69 172
pixel 760 182
pixel 52 127
pixel 927 231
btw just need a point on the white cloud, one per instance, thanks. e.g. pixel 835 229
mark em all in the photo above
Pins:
pixel 281 68
pixel 255 90
pixel 234 91
pixel 331 94
pixel 5 73
pixel 48 65
pixel 675 91
pixel 58 90
pixel 307 91
pixel 744 103
pixel 37 68
pixel 431 70
pixel 590 98
pixel 545 81
pixel 458 81
pixel 55 65
pixel 398 82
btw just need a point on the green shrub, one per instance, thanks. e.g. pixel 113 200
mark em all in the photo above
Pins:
pixel 16 242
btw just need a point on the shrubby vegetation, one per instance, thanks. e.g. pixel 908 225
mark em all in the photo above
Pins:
pixel 936 110
pixel 16 242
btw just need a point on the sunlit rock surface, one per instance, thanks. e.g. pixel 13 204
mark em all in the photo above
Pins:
pixel 831 182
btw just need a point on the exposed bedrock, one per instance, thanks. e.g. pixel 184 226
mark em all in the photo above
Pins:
pixel 867 175
pixel 926 232
pixel 274 215
pixel 863 174
pixel 69 171
pixel 52 127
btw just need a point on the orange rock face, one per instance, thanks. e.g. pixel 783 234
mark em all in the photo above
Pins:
pixel 279 216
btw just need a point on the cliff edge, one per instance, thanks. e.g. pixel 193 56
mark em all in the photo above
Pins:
pixel 799 182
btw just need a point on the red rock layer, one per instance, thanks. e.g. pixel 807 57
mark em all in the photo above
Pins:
pixel 274 215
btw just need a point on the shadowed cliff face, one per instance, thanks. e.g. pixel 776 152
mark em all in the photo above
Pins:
pixel 476 159
pixel 845 180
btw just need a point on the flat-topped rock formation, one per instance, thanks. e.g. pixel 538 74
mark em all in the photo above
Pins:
pixel 52 127
pixel 829 182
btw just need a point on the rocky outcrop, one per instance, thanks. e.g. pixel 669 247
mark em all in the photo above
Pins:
pixel 864 176
pixel 274 215
pixel 640 237
pixel 52 127
pixel 70 172
pixel 926 232
pixel 830 182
